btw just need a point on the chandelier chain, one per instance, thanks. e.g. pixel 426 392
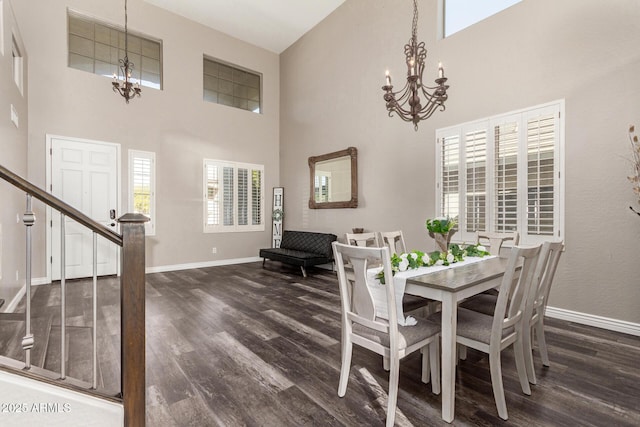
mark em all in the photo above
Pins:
pixel 126 89
pixel 414 25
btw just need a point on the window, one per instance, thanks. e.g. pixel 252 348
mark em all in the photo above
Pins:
pixel 229 85
pixel 97 48
pixel 233 196
pixel 460 14
pixel 142 187
pixel 504 174
pixel 17 65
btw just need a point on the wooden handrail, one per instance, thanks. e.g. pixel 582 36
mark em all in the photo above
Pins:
pixel 132 292
pixel 59 205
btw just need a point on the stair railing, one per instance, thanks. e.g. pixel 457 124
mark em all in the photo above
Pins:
pixel 132 293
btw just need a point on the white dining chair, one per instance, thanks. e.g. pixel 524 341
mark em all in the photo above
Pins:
pixel 493 333
pixel 361 326
pixel 370 239
pixel 496 240
pixel 394 240
pixel 537 303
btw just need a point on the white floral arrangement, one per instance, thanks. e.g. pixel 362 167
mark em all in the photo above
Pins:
pixel 417 259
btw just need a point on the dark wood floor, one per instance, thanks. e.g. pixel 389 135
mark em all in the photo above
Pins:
pixel 245 346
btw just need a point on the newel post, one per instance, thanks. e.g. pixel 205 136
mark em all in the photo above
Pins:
pixel 132 317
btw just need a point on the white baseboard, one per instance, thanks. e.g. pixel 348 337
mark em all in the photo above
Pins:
pixel 593 320
pixel 177 267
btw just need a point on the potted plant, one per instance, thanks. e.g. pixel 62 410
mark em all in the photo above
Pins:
pixel 441 229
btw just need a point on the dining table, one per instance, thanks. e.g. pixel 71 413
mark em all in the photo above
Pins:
pixel 451 286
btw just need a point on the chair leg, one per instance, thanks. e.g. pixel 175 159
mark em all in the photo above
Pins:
pixel 462 352
pixel 496 383
pixel 542 343
pixel 434 358
pixel 347 348
pixel 304 272
pixel 426 373
pixel 518 350
pixel 527 333
pixel 385 363
pixel 394 375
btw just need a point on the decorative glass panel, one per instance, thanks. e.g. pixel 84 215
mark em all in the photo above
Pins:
pixel 97 48
pixel 229 85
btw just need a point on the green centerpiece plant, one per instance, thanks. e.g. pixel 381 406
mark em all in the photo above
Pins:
pixel 417 259
pixel 441 229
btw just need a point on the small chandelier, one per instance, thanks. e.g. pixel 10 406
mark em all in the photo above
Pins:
pixel 415 54
pixel 126 88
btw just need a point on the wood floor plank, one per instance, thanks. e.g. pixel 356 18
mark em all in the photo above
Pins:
pixel 242 345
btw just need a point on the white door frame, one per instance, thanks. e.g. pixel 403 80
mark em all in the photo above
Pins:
pixel 48 184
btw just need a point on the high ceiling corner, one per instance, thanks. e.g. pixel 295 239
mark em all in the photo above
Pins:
pixel 271 24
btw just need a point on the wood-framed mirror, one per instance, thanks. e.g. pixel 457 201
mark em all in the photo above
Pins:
pixel 334 180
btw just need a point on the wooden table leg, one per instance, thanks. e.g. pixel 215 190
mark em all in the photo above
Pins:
pixel 449 324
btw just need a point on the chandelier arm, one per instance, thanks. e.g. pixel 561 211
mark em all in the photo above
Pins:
pixel 408 102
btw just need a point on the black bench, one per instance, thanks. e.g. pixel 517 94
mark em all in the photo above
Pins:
pixel 302 248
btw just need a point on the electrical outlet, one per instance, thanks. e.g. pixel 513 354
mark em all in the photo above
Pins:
pixel 17 275
pixel 214 250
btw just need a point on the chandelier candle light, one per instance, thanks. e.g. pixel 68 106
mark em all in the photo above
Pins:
pixel 127 89
pixel 415 54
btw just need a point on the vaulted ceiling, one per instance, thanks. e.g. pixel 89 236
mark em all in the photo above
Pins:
pixel 271 24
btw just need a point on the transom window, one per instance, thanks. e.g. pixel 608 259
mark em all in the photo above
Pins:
pixel 460 14
pixel 233 86
pixel 97 48
pixel 503 174
pixel 233 196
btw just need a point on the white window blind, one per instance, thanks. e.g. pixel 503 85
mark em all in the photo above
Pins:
pixel 476 182
pixel 450 164
pixel 511 166
pixel 540 175
pixel 506 177
pixel 233 199
pixel 142 186
pixel 256 197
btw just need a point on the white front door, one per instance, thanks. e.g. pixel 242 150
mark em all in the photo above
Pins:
pixel 84 174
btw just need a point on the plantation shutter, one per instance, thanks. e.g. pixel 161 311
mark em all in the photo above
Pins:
pixel 541 154
pixel 227 195
pixel 256 197
pixel 142 185
pixel 450 176
pixel 506 177
pixel 243 196
pixel 213 195
pixel 476 182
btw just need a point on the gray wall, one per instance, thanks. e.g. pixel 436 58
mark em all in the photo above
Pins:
pixel 175 122
pixel 13 155
pixel 583 51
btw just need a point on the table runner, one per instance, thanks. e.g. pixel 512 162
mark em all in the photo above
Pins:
pixel 379 294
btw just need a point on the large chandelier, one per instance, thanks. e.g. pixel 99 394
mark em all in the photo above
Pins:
pixel 434 97
pixel 126 88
